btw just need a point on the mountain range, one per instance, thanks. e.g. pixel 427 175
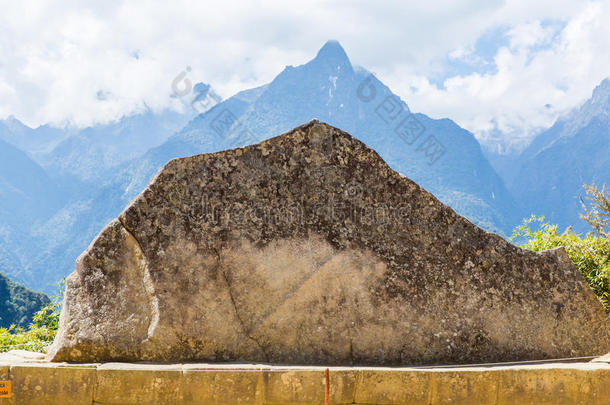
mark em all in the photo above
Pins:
pixel 553 168
pixel 60 187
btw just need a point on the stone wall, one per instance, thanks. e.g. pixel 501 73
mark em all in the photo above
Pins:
pixel 136 384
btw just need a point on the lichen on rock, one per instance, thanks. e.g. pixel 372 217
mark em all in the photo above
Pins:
pixel 307 248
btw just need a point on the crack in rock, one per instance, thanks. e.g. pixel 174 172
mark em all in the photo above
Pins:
pixel 147 284
pixel 200 227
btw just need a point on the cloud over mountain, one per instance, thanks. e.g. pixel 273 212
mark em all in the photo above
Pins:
pixel 491 66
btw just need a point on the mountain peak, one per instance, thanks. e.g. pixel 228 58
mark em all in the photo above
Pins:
pixel 333 54
pixel 332 49
pixel 601 97
pixel 14 124
pixel 603 87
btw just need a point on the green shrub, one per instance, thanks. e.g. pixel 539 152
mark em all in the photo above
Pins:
pixel 590 253
pixel 39 334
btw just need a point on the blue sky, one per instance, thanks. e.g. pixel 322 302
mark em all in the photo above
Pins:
pixel 479 56
pixel 498 68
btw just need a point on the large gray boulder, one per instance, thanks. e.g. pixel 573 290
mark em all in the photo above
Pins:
pixel 307 248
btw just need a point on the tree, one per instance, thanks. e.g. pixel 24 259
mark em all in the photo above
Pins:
pixel 589 253
pixel 597 210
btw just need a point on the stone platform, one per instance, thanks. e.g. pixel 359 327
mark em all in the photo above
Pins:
pixel 35 382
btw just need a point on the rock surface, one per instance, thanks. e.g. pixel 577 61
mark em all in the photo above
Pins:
pixel 602 359
pixel 307 248
pixel 21 356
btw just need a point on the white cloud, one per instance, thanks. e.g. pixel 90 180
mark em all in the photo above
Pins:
pixel 538 76
pixel 56 57
pixel 529 34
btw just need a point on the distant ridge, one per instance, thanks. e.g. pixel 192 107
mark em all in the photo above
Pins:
pixel 18 303
pixel 574 151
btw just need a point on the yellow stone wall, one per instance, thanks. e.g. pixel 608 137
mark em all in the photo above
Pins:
pixel 127 384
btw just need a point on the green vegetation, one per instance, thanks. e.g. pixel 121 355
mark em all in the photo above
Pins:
pixel 590 253
pixel 597 212
pixel 18 303
pixel 40 332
